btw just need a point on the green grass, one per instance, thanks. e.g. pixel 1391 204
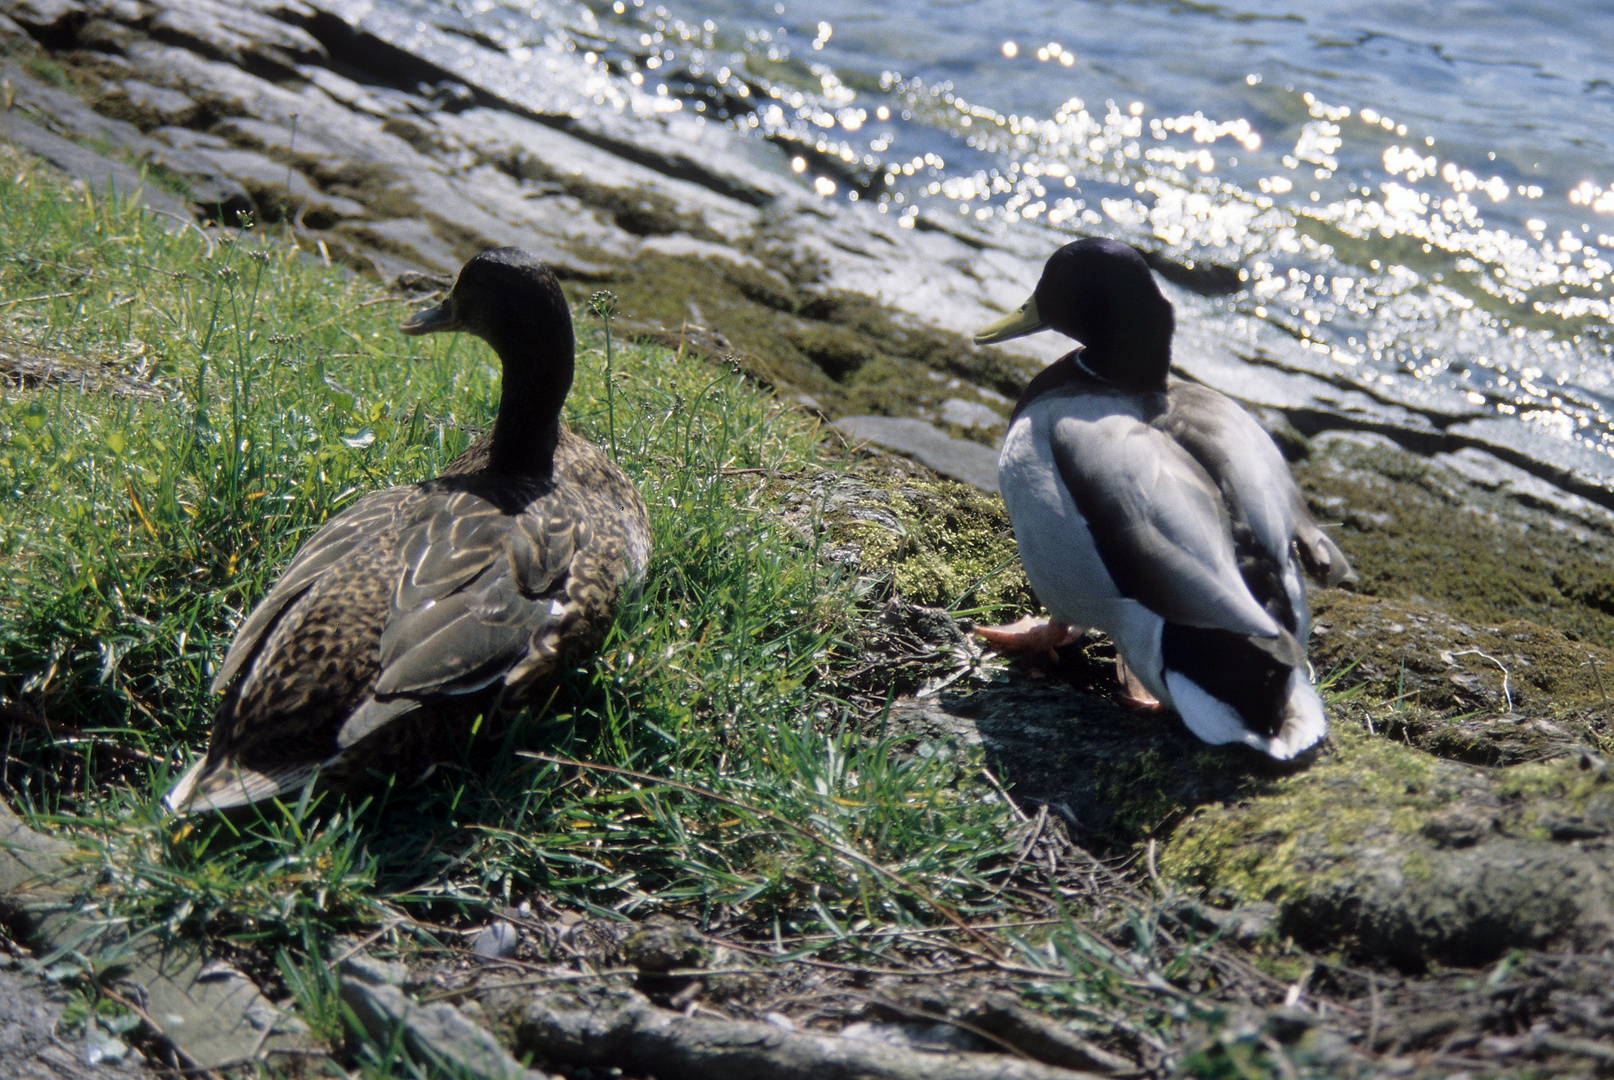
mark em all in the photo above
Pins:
pixel 709 762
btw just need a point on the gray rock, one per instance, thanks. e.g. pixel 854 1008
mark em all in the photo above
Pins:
pixel 1573 466
pixel 186 139
pixel 151 106
pixel 102 175
pixel 210 1011
pixel 437 1035
pixel 104 35
pixel 235 30
pixel 359 143
pixel 42 14
pixel 67 114
pixel 14 39
pixel 280 191
pixel 679 246
pixel 970 414
pixel 35 1046
pixel 961 460
pixel 413 239
pixel 283 141
pixel 496 942
pixel 346 92
pixel 209 186
pixel 536 151
pixel 376 972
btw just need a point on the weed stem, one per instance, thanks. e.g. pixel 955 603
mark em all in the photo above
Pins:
pixel 603 303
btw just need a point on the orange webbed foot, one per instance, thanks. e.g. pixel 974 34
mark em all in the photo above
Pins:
pixel 1133 694
pixel 1029 635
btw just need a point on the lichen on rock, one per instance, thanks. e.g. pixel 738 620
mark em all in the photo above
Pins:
pixel 927 540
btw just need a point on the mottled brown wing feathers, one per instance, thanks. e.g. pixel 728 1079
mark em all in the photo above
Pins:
pixel 336 539
pixel 410 606
pixel 441 554
pixel 478 585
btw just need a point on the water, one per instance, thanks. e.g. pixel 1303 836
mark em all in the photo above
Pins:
pixel 1422 194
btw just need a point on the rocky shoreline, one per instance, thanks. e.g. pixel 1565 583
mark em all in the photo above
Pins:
pixel 393 146
pixel 1464 809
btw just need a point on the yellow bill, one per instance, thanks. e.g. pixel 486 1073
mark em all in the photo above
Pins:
pixel 1016 324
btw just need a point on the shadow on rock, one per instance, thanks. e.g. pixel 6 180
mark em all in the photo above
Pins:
pixel 1116 776
pixel 1389 845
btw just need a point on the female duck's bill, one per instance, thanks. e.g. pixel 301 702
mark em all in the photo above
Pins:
pixel 1159 512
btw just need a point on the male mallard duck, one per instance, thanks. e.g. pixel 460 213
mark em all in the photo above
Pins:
pixel 421 607
pixel 1159 512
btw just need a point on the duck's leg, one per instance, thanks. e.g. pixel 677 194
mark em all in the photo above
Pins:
pixel 1029 635
pixel 1134 695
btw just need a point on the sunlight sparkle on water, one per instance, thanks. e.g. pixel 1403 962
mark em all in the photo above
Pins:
pixel 1344 226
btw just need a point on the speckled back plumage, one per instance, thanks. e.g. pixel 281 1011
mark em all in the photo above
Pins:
pixel 421 607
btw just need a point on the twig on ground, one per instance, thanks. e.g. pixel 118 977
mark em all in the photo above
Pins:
pixel 624 1030
pixel 1507 696
pixel 1025 849
pixel 1014 808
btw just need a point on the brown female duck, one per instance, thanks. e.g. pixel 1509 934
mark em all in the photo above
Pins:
pixel 422 607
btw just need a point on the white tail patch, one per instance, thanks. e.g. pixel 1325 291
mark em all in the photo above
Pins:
pixel 226 785
pixel 1213 720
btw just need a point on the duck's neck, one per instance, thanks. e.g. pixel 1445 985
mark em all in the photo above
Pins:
pixel 527 429
pixel 1136 355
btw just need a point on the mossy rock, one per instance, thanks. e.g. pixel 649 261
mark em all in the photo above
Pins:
pixel 926 540
pixel 1390 844
pixel 1382 851
pixel 848 353
pixel 1417 530
pixel 1374 849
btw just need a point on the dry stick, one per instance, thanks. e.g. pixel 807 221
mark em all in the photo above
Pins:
pixel 1238 963
pixel 938 1018
pixel 1019 814
pixel 1569 1044
pixel 1286 1068
pixel 783 822
pixel 370 939
pixel 1157 986
pixel 830 965
pixel 1591 661
pixel 1507 696
pixel 917 931
pixel 1024 852
pixel 1154 875
pixel 636 1036
pixel 1373 1023
pixel 579 976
